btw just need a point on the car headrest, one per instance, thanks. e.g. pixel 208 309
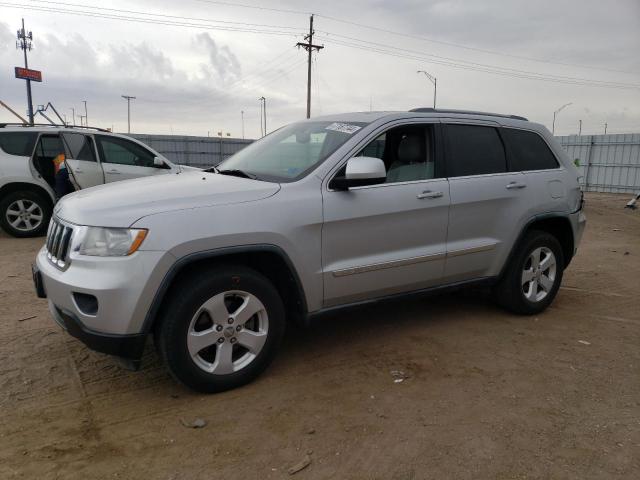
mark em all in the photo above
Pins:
pixel 410 149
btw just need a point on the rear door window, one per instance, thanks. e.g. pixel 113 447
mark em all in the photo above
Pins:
pixel 18 143
pixel 79 147
pixel 528 151
pixel 474 150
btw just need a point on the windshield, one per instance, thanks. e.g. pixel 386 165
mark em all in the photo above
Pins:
pixel 291 152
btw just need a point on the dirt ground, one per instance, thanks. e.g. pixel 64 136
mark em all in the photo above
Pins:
pixel 487 394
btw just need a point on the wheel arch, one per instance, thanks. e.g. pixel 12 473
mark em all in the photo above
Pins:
pixel 557 225
pixel 269 260
pixel 12 187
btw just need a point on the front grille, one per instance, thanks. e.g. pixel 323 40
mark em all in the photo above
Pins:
pixel 58 243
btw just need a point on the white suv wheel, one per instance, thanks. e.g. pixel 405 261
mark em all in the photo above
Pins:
pixel 24 215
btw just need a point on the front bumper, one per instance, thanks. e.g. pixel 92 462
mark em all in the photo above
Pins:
pixel 119 290
pixel 125 346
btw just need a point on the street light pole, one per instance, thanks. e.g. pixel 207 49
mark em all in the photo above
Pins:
pixel 73 110
pixel 242 117
pixel 86 116
pixel 264 114
pixel 128 98
pixel 433 80
pixel 553 125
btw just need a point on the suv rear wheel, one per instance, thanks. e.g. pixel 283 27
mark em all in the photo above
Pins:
pixel 533 277
pixel 25 213
pixel 221 328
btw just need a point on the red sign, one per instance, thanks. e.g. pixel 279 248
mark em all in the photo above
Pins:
pixel 28 74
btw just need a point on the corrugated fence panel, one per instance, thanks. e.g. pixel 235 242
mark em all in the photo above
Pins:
pixel 608 163
pixel 194 151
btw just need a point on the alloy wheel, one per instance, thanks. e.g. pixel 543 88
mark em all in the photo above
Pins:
pixel 539 274
pixel 24 215
pixel 227 332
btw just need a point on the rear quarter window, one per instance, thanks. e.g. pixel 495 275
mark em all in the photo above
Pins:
pixel 18 143
pixel 528 151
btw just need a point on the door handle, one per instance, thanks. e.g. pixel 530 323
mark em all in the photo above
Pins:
pixel 78 170
pixel 116 172
pixel 515 185
pixel 429 194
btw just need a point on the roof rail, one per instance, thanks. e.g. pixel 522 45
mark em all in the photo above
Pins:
pixel 52 125
pixel 468 112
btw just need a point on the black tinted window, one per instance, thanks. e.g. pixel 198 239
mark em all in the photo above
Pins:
pixel 79 147
pixel 528 151
pixel 18 143
pixel 474 150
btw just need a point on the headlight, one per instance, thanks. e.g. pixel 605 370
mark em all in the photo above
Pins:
pixel 111 242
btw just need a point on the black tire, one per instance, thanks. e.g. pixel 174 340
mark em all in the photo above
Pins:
pixel 191 292
pixel 43 203
pixel 510 291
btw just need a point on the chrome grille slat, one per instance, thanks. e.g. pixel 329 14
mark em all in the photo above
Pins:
pixel 58 243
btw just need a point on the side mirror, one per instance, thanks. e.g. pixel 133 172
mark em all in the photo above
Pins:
pixel 359 172
pixel 157 162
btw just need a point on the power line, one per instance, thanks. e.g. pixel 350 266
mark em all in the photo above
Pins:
pixel 366 44
pixel 487 69
pixel 145 20
pixel 467 47
pixel 415 37
pixel 255 7
pixel 162 15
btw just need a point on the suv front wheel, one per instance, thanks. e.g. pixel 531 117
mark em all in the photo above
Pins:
pixel 221 328
pixel 25 214
pixel 533 276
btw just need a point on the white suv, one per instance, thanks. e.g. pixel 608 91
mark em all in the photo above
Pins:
pixel 322 214
pixel 93 157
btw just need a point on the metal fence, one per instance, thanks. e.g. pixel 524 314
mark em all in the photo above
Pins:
pixel 195 151
pixel 608 163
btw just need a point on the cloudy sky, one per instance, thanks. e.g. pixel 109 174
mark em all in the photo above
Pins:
pixel 195 65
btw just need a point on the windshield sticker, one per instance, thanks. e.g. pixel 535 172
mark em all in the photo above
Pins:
pixel 344 128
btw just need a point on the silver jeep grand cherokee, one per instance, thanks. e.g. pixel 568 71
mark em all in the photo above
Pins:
pixel 322 214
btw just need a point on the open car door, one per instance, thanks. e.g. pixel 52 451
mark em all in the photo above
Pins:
pixel 84 169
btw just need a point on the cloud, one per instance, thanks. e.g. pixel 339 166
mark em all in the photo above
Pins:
pixel 7 38
pixel 222 60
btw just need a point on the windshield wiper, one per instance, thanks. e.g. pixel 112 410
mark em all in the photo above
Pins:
pixel 211 170
pixel 238 173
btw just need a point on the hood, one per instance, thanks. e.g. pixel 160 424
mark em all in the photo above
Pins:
pixel 121 204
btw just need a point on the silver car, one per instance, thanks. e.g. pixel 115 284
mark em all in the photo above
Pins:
pixel 320 215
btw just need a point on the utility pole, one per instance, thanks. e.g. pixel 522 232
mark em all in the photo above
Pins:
pixel 128 98
pixel 579 127
pixel 309 47
pixel 263 111
pixel 434 80
pixel 86 115
pixel 73 110
pixel 605 128
pixel 242 118
pixel 553 125
pixel 24 44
